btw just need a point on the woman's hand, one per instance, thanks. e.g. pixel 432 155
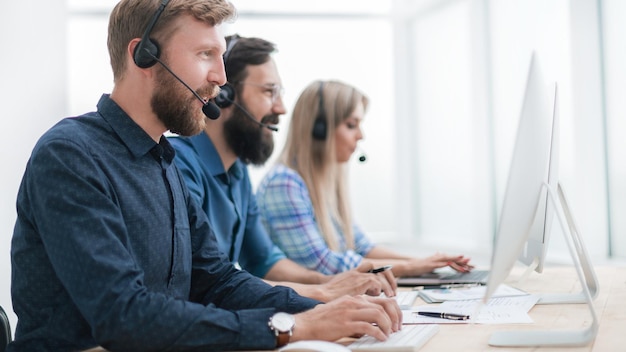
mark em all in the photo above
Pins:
pixel 419 266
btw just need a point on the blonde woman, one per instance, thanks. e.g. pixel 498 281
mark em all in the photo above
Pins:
pixel 304 198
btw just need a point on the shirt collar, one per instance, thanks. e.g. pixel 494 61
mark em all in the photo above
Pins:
pixel 134 137
pixel 208 154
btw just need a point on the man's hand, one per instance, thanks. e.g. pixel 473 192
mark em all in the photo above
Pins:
pixel 349 316
pixel 359 281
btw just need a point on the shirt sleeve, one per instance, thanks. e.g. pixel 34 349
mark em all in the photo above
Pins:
pixel 258 252
pixel 288 215
pixel 362 244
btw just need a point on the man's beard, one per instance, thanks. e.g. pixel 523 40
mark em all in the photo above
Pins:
pixel 247 139
pixel 174 105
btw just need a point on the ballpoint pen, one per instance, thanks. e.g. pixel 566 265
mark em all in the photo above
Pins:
pixel 379 270
pixel 441 315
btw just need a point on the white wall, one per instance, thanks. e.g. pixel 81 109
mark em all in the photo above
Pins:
pixel 32 87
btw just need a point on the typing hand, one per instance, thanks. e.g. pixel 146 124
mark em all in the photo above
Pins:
pixel 459 263
pixel 426 265
pixel 349 316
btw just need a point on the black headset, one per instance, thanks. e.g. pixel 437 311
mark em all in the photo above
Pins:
pixel 226 96
pixel 148 49
pixel 147 52
pixel 320 126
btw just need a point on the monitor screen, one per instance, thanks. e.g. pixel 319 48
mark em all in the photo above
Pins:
pixel 526 217
pixel 533 197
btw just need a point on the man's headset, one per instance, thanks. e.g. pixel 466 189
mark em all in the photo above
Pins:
pixel 226 96
pixel 147 53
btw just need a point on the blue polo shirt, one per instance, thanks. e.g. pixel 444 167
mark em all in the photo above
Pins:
pixel 109 249
pixel 227 197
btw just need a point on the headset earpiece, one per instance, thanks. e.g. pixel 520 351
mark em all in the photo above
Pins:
pixel 147 50
pixel 320 126
pixel 226 96
pixel 145 53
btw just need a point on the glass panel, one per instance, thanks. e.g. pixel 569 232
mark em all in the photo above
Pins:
pixel 352 7
pixel 452 175
pixel 89 69
pixel 615 80
pixel 247 7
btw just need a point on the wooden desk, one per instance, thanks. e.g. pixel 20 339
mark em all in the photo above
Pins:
pixel 610 305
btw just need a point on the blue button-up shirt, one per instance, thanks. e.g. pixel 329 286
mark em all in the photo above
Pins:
pixel 228 199
pixel 109 249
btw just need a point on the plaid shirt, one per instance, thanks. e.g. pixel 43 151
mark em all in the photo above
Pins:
pixel 287 213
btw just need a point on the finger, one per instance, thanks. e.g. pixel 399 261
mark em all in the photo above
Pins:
pixel 462 267
pixel 375 314
pixel 365 267
pixel 384 286
pixel 388 281
pixel 456 267
pixel 465 265
pixel 364 328
pixel 372 286
pixel 391 308
pixel 394 312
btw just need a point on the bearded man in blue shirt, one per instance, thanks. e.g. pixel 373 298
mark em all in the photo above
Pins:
pixel 109 248
pixel 214 165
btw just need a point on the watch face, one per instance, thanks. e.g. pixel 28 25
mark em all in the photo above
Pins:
pixel 283 322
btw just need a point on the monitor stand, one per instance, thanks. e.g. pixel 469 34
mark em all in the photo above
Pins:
pixel 586 277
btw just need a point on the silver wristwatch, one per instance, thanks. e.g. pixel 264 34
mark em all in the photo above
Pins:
pixel 282 324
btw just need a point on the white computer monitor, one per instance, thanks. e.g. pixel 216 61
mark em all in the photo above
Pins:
pixel 533 198
pixel 525 220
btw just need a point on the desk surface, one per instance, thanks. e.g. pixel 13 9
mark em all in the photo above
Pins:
pixel 610 305
pixel 610 308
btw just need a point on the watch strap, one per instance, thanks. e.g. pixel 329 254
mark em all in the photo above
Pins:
pixel 282 338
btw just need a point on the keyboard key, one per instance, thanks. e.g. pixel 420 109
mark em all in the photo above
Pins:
pixel 406 299
pixel 410 338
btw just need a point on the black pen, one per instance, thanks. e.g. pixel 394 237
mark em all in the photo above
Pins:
pixel 379 270
pixel 449 316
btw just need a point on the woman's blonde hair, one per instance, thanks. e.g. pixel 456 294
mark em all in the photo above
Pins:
pixel 315 159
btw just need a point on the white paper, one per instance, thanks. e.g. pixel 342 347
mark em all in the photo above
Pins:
pixel 503 310
pixel 467 293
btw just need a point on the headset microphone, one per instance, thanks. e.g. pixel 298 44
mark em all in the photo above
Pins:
pixel 211 110
pixel 362 157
